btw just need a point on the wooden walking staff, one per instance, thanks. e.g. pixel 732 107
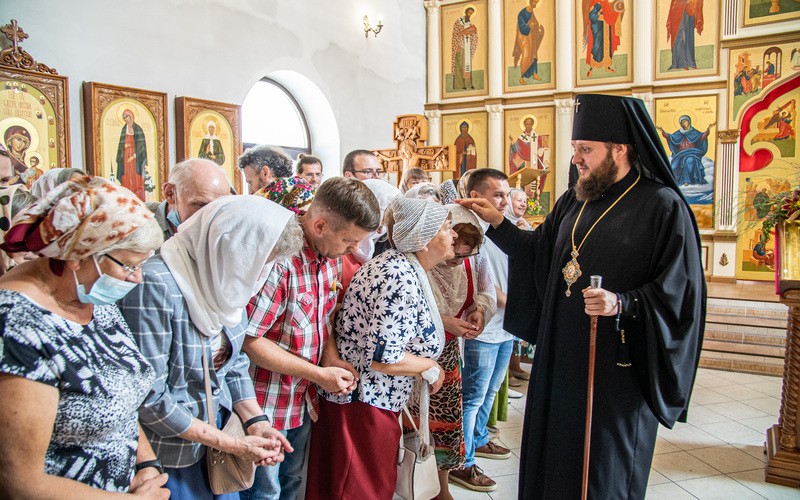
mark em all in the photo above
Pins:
pixel 595 282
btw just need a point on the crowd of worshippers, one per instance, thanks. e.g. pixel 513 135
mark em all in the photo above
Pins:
pixel 316 310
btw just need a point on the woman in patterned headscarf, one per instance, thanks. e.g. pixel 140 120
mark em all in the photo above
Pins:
pixel 294 193
pixel 390 331
pixel 68 361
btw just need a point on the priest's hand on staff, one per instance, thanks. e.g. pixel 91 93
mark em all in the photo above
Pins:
pixel 599 302
pixel 484 210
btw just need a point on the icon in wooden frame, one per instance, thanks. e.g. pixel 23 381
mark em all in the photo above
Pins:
pixel 34 111
pixel 125 137
pixel 210 130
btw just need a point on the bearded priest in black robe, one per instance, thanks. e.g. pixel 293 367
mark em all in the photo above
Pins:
pixel 627 221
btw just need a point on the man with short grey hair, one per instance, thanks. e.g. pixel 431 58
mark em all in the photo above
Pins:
pixel 192 184
pixel 253 161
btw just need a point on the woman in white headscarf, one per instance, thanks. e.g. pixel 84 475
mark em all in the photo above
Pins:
pixel 376 242
pixel 389 329
pixel 385 193
pixel 466 298
pixel 515 210
pixel 425 191
pixel 189 311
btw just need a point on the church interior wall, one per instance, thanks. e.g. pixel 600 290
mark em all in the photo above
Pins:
pixel 217 49
pixel 701 87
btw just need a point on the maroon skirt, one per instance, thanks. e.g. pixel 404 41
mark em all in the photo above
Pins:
pixel 353 452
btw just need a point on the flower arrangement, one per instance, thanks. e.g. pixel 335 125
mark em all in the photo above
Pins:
pixel 534 206
pixel 781 206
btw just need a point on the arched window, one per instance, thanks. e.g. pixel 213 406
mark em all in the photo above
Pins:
pixel 271 115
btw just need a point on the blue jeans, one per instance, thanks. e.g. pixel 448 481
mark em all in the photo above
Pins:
pixel 282 481
pixel 191 483
pixel 485 367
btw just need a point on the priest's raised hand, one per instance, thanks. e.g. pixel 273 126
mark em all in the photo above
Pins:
pixel 482 209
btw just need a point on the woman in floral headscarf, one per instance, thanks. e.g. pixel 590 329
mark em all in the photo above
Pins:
pixel 68 361
pixel 294 193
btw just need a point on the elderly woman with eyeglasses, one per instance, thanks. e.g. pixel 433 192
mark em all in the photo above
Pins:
pixel 71 375
pixel 390 331
pixel 188 317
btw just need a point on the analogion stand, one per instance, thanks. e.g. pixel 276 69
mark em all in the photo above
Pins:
pixel 783 452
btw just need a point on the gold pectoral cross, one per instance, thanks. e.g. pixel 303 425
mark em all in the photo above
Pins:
pixel 572 271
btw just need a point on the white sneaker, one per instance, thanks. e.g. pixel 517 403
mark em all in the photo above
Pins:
pixel 512 394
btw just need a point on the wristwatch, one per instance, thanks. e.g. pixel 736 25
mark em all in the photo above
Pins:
pixel 431 375
pixel 156 463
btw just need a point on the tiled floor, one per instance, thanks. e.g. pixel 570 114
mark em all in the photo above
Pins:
pixel 718 454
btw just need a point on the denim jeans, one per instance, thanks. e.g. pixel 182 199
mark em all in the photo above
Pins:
pixel 485 368
pixel 191 483
pixel 282 481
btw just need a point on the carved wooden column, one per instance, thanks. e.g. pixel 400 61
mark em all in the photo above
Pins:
pixel 727 169
pixel 434 75
pixel 783 466
pixel 495 159
pixel 730 18
pixel 564 151
pixel 723 251
pixel 434 117
pixel 565 26
pixel 647 98
pixel 496 63
pixel 642 59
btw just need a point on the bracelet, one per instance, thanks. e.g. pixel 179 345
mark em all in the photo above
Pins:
pixel 619 309
pixel 255 420
pixel 431 375
pixel 156 463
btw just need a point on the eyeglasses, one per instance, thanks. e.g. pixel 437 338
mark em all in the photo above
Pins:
pixel 473 254
pixel 128 269
pixel 374 172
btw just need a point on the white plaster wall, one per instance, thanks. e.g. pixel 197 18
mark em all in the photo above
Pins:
pixel 216 49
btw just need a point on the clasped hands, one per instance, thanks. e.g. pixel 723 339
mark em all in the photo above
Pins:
pixel 468 328
pixel 337 376
pixel 265 445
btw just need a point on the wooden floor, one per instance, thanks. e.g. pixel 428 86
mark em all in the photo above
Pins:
pixel 743 290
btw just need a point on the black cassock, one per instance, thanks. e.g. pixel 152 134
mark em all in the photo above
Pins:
pixel 647 249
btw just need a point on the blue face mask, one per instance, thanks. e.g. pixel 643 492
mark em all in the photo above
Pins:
pixel 106 290
pixel 174 218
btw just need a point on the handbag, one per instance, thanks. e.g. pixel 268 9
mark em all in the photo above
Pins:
pixel 417 473
pixel 227 473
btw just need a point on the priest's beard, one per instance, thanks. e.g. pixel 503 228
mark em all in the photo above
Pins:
pixel 591 188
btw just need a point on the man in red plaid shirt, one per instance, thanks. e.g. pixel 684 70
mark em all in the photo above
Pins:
pixel 291 318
